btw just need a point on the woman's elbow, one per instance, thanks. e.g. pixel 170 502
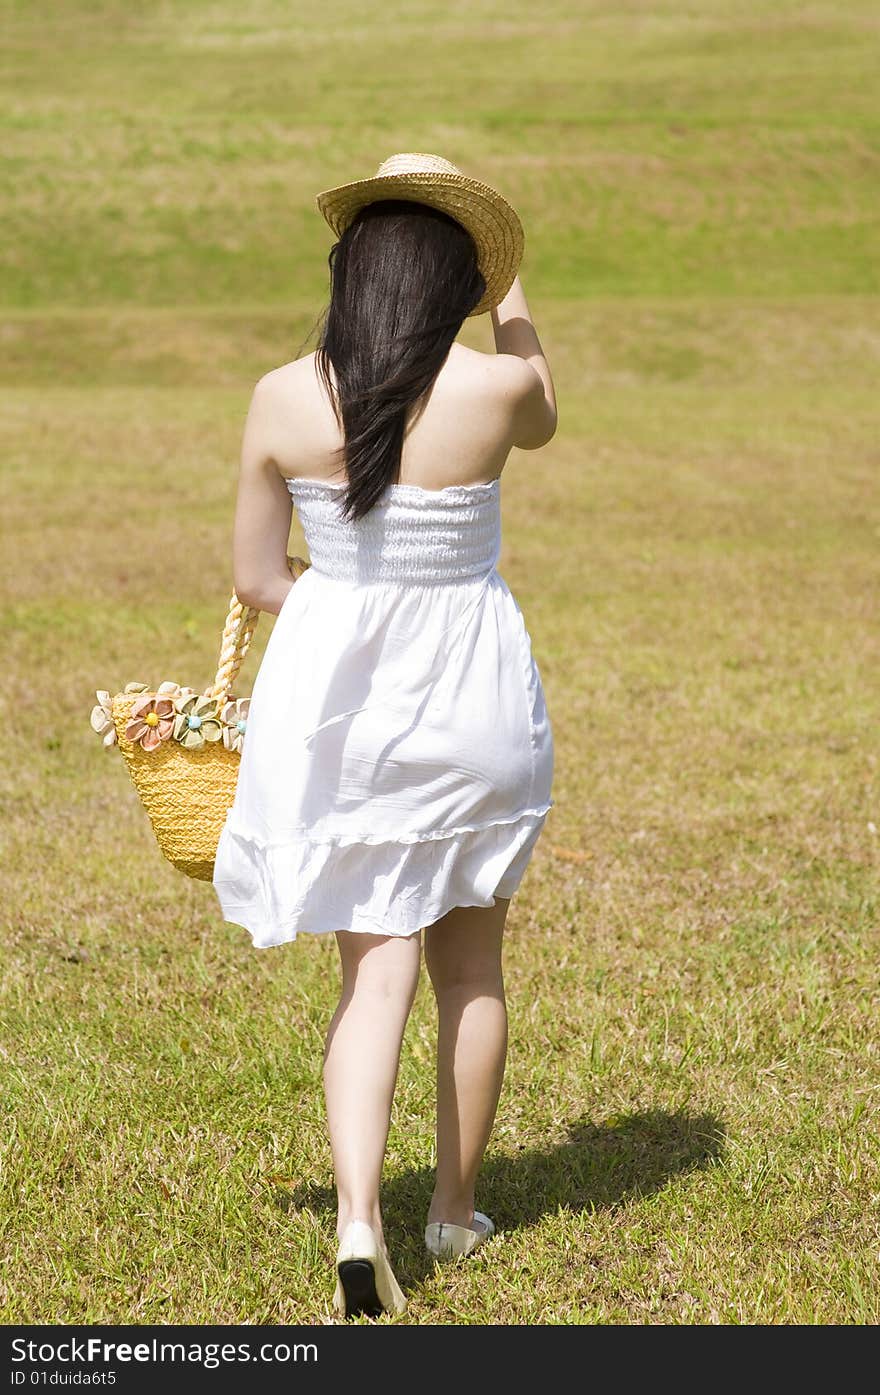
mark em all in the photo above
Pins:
pixel 247 592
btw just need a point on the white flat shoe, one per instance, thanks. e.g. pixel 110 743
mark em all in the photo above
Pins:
pixel 445 1241
pixel 365 1283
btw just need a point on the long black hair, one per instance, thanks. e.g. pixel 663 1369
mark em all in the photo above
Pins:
pixel 403 278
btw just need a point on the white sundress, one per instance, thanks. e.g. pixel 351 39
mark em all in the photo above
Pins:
pixel 398 756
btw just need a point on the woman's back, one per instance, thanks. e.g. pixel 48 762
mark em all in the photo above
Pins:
pixel 460 433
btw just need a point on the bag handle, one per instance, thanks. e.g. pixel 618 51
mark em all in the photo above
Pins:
pixel 241 622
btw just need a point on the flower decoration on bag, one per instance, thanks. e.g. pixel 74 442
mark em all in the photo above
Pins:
pixel 150 721
pixel 101 718
pixel 196 720
pixel 171 710
pixel 235 716
pixel 173 691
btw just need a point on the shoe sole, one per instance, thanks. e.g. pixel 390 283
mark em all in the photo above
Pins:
pixel 358 1279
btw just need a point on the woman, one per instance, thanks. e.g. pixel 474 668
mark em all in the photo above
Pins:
pixel 397 767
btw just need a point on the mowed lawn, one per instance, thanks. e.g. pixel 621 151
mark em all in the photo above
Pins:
pixel 688 1129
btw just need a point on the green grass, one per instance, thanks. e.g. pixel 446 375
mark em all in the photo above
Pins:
pixel 688 1129
pixel 168 156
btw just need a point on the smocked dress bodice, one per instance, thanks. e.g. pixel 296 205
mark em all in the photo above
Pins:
pixel 411 536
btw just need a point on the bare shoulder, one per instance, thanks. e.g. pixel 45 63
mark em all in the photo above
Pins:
pixel 510 376
pixel 278 400
pixel 278 383
pixel 286 392
pixel 516 376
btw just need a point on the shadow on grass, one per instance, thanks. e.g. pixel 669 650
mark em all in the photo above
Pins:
pixel 598 1167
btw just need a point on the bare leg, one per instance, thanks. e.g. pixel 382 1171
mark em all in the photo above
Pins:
pixel 463 956
pixel 380 974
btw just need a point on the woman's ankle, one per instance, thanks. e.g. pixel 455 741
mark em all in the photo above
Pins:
pixel 451 1210
pixel 372 1216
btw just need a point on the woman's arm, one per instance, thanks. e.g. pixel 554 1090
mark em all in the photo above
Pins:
pixel 263 511
pixel 533 391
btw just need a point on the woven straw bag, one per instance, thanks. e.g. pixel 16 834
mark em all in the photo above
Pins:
pixel 183 748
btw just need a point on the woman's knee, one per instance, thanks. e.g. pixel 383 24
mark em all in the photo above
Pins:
pixel 459 981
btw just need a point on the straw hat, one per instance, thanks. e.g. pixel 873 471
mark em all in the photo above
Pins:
pixel 430 179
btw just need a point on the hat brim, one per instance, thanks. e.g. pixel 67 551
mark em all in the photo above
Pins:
pixel 487 216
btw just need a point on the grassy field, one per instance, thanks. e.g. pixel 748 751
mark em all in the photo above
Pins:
pixel 688 1130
